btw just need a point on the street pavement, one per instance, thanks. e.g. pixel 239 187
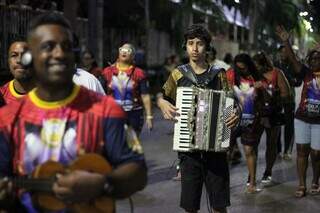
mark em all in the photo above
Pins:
pixel 162 194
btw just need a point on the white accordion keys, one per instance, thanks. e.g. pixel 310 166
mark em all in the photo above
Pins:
pixel 183 129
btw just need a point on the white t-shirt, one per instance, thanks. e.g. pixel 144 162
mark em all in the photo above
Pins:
pixel 221 64
pixel 89 81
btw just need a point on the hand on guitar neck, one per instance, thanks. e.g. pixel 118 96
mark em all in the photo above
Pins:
pixel 79 187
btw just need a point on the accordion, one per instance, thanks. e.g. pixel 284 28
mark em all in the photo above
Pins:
pixel 201 124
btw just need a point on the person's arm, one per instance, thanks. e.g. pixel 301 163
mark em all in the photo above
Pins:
pixel 146 100
pixel 283 85
pixel 284 37
pixel 224 84
pixel 124 151
pixel 5 172
pixel 129 172
pixel 166 98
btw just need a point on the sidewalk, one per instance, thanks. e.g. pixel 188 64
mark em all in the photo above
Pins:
pixel 162 194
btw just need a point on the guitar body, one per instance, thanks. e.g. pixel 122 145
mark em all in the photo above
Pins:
pixel 88 162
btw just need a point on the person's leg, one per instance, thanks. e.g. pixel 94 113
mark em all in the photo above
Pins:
pixel 191 181
pixel 315 158
pixel 234 153
pixel 250 140
pixel 279 144
pixel 303 140
pixel 217 181
pixel 288 131
pixel 251 159
pixel 220 210
pixel 271 152
pixel 177 177
pixel 303 151
pixel 233 141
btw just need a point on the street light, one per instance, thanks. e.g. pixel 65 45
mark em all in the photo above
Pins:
pixel 305 13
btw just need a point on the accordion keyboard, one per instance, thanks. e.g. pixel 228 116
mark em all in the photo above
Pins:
pixel 183 129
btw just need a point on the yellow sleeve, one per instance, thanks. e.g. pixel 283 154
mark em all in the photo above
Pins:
pixel 170 87
pixel 224 85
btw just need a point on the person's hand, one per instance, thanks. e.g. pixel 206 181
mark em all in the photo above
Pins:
pixel 168 110
pixel 258 84
pixel 5 188
pixel 282 33
pixel 233 120
pixel 78 186
pixel 149 122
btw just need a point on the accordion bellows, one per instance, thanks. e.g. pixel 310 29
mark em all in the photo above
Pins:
pixel 201 124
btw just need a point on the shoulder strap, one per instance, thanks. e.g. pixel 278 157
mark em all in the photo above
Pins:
pixel 213 71
pixel 187 72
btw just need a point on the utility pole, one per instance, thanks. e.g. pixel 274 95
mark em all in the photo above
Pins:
pixel 95 29
pixel 252 25
pixel 70 8
pixel 147 26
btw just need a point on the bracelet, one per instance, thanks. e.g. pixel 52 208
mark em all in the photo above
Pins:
pixel 159 95
pixel 149 117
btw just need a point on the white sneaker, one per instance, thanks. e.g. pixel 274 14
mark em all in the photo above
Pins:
pixel 266 179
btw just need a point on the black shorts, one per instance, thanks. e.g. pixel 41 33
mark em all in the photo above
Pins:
pixel 204 167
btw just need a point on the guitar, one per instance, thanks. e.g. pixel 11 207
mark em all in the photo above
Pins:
pixel 40 185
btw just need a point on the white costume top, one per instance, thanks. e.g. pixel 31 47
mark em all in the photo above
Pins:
pixel 89 81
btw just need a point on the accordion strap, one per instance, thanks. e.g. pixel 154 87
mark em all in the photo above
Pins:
pixel 188 73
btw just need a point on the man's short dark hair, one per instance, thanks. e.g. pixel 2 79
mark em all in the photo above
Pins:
pixel 198 31
pixel 49 18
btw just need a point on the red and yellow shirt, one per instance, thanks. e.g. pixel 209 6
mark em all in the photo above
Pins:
pixel 9 94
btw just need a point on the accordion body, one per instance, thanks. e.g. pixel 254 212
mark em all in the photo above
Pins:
pixel 201 124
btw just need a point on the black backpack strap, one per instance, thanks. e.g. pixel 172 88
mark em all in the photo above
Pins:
pixel 187 72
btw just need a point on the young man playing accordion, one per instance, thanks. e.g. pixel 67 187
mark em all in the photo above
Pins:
pixel 199 167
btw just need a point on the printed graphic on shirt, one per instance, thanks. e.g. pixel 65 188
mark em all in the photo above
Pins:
pixel 313 98
pixel 245 95
pixel 122 87
pixel 55 140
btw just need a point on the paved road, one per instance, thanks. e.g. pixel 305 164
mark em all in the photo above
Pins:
pixel 162 194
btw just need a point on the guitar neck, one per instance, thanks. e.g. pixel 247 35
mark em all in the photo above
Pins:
pixel 33 184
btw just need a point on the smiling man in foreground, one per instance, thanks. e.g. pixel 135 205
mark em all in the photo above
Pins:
pixel 60 121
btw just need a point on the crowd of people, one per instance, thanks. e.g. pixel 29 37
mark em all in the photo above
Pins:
pixel 58 108
pixel 265 90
